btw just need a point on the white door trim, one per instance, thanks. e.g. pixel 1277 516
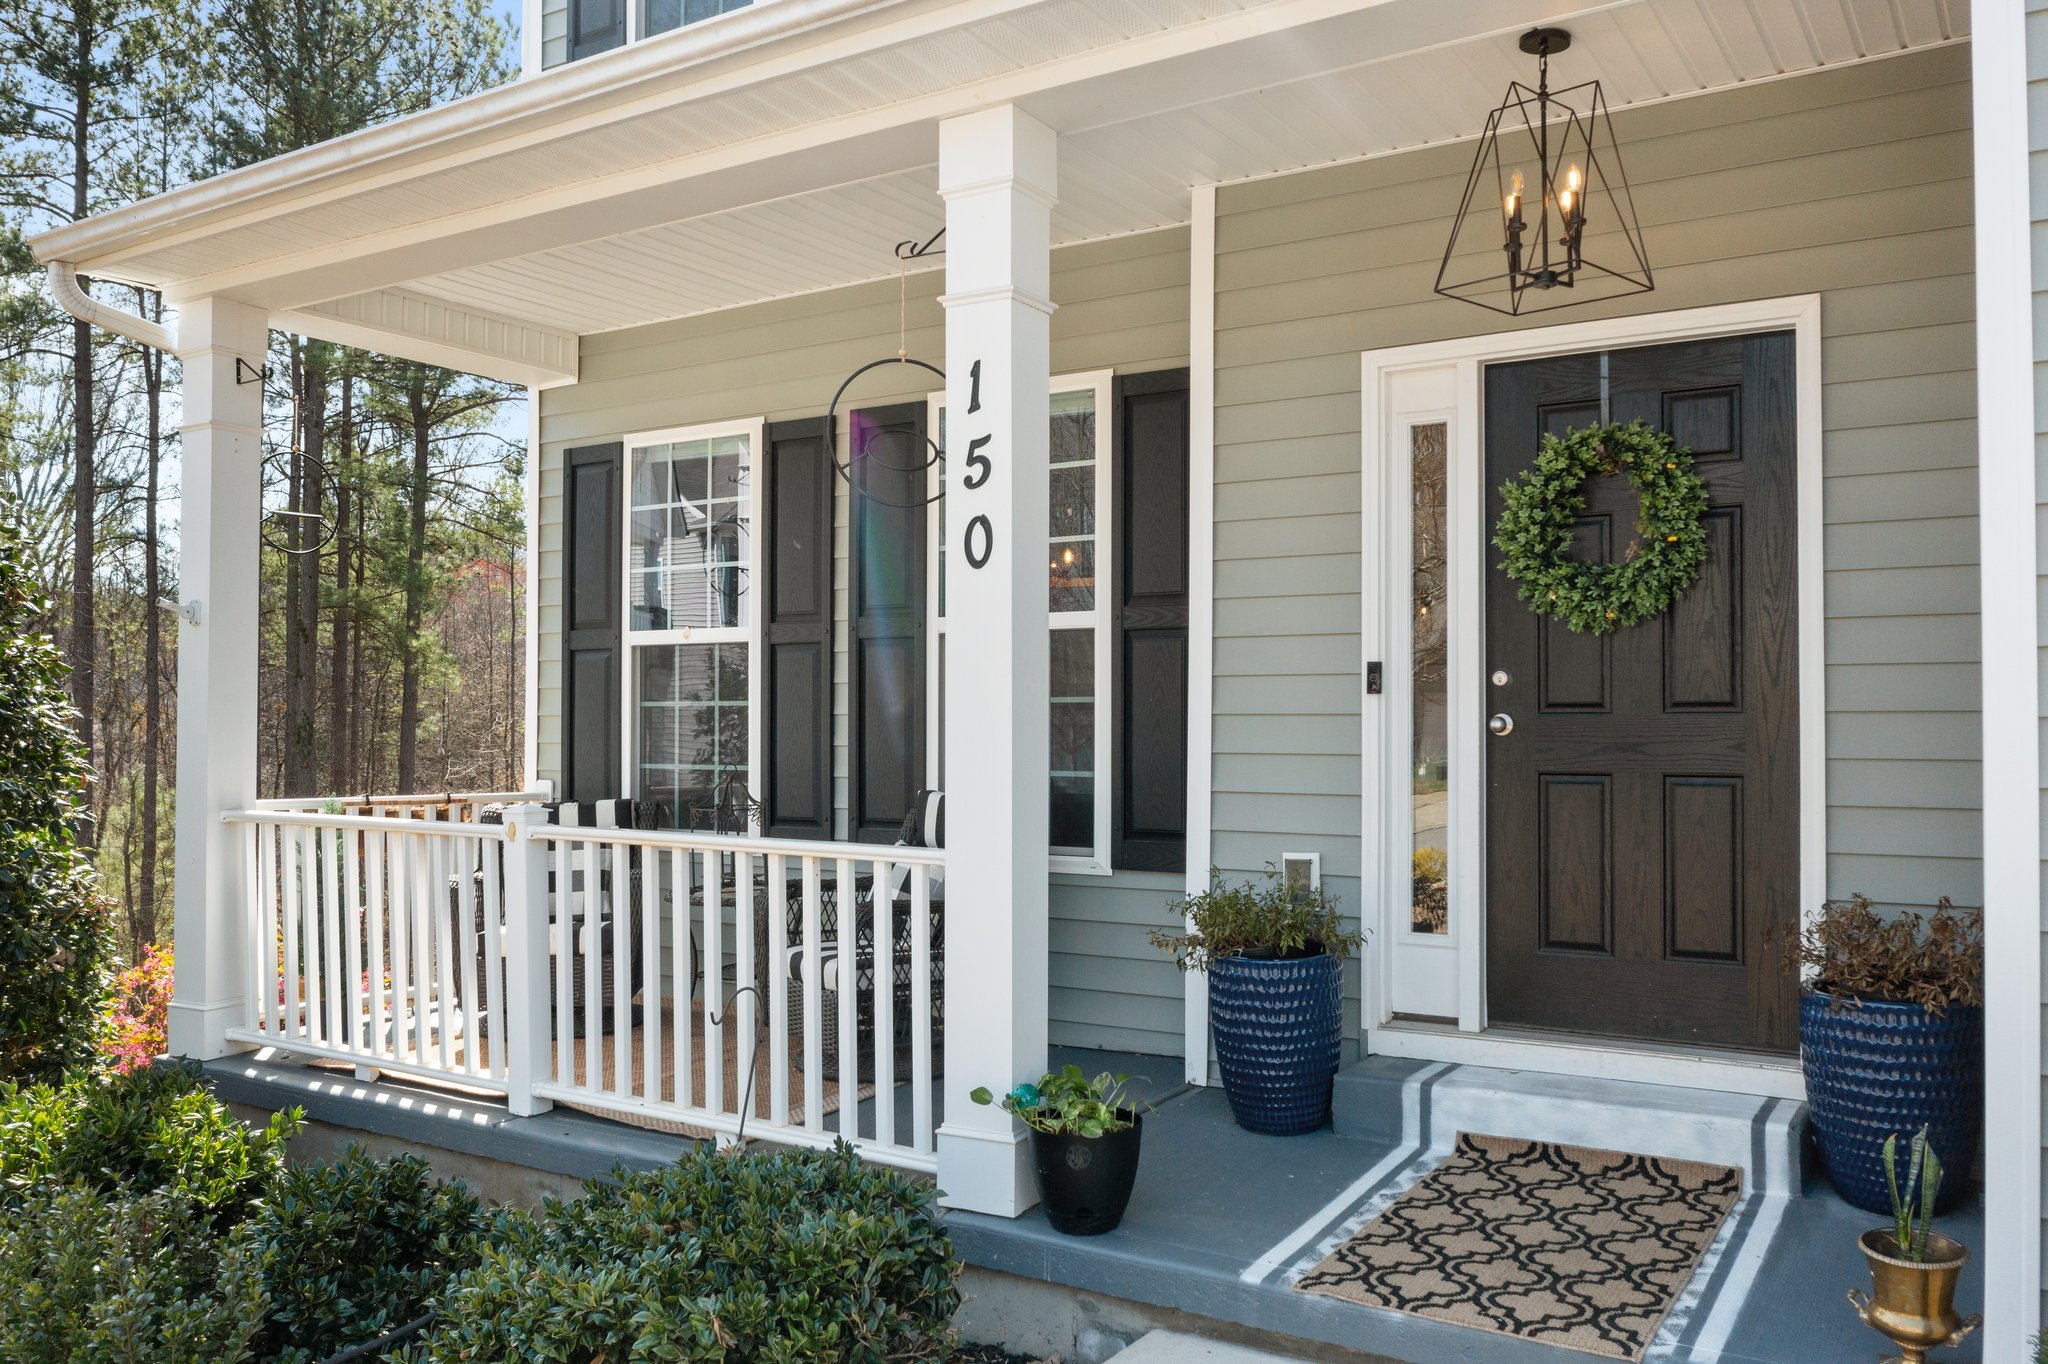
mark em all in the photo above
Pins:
pixel 1463 360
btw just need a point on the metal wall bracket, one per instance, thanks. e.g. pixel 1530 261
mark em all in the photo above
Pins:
pixel 912 250
pixel 246 373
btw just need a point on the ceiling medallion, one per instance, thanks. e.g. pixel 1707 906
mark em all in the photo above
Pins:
pixel 1538 255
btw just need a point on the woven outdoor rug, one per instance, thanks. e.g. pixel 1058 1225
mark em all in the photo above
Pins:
pixel 1562 1244
pixel 734 1083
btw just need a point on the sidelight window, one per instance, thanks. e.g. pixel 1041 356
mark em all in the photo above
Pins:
pixel 1429 756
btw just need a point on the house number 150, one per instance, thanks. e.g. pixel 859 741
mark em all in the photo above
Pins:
pixel 980 539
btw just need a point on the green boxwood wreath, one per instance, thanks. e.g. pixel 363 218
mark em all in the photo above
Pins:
pixel 1535 531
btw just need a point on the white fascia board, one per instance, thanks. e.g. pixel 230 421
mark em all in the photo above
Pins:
pixel 414 327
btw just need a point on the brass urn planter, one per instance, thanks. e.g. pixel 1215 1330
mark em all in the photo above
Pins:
pixel 1913 1302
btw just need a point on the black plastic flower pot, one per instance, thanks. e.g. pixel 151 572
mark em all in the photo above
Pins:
pixel 1876 1069
pixel 1085 1183
pixel 1277 1024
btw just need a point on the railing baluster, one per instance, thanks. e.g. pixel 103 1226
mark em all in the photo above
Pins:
pixel 591 930
pixel 404 1026
pixel 625 895
pixel 349 869
pixel 747 1045
pixel 687 940
pixel 463 892
pixel 777 1003
pixel 380 965
pixel 489 1008
pixel 259 942
pixel 292 1022
pixel 419 899
pixel 884 1006
pixel 849 1001
pixel 714 983
pixel 814 999
pixel 339 989
pixel 561 874
pixel 921 1137
pixel 654 863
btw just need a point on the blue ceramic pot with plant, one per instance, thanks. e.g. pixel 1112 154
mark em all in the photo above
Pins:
pixel 1274 955
pixel 1891 1041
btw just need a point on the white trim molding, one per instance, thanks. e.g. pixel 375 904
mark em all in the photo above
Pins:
pixel 1201 602
pixel 2009 493
pixel 1457 368
pixel 400 322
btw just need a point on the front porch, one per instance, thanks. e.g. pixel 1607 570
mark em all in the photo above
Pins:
pixel 1220 1225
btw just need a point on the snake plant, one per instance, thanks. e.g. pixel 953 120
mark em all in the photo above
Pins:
pixel 1924 1171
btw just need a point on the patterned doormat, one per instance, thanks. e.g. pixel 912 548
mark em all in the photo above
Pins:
pixel 1563 1244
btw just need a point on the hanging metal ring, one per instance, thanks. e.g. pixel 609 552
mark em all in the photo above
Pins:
pixel 329 485
pixel 845 471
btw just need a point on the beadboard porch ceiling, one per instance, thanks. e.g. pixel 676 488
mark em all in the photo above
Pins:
pixel 732 176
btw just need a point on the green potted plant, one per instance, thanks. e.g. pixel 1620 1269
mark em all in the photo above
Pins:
pixel 1891 1039
pixel 1913 1268
pixel 1084 1138
pixel 1274 956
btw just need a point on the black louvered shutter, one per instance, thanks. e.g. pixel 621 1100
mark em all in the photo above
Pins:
pixel 591 645
pixel 1149 704
pixel 886 606
pixel 797 632
pixel 595 26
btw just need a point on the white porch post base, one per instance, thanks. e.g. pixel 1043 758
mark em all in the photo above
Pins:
pixel 219 514
pixel 997 174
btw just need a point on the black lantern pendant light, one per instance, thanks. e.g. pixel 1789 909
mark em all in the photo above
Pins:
pixel 1536 255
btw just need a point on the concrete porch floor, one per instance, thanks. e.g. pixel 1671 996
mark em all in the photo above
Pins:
pixel 1222 1220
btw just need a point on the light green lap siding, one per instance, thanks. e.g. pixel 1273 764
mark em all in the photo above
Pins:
pixel 1123 305
pixel 1851 183
pixel 554 33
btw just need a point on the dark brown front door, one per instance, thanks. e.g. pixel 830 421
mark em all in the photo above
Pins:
pixel 1643 813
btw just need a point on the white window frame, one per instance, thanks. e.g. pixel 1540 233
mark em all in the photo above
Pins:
pixel 1100 619
pixel 753 430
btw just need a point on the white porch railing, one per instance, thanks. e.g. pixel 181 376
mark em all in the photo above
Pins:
pixel 740 986
pixel 361 950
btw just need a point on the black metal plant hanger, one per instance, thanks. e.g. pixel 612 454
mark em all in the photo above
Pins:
pixel 906 252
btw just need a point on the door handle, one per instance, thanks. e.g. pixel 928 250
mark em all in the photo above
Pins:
pixel 1502 725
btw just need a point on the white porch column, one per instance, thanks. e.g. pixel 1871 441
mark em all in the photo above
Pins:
pixel 997 174
pixel 218 526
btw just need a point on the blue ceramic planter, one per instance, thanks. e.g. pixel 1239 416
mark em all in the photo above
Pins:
pixel 1878 1069
pixel 1277 1026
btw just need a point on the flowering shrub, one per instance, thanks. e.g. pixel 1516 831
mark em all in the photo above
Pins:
pixel 138 1020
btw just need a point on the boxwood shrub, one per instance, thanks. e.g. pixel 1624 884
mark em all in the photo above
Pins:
pixel 351 1250
pixel 767 1257
pixel 155 1129
pixel 91 1277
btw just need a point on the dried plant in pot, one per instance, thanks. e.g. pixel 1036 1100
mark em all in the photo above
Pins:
pixel 1274 957
pixel 1891 1039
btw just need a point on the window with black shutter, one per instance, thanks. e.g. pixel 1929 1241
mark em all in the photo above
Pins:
pixel 797 631
pixel 886 626
pixel 590 616
pixel 595 26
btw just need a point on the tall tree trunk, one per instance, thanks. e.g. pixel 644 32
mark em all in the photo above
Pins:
pixel 85 477
pixel 420 414
pixel 152 643
pixel 302 596
pixel 339 688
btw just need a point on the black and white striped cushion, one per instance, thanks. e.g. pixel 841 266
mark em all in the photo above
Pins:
pixel 592 814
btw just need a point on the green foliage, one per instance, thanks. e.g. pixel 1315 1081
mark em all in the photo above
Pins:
pixel 153 1129
pixel 1264 915
pixel 1658 565
pixel 1910 1230
pixel 353 1249
pixel 55 946
pixel 770 1257
pixel 89 1277
pixel 1068 1101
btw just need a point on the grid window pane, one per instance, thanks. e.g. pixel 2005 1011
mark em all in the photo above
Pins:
pixel 693 724
pixel 1070 566
pixel 686 557
pixel 1073 742
pixel 659 16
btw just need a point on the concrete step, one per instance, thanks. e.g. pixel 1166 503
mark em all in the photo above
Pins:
pixel 1388 1099
pixel 1172 1347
